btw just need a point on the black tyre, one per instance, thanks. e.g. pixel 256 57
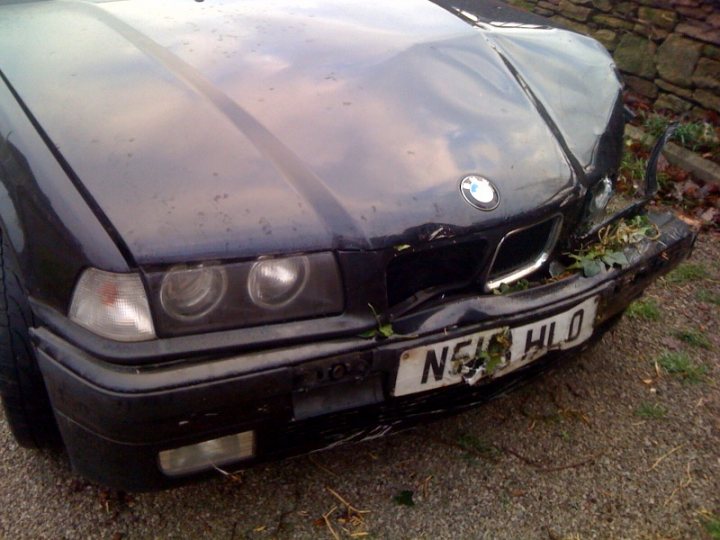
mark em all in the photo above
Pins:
pixel 24 397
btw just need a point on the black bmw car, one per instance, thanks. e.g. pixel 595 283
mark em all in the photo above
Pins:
pixel 239 230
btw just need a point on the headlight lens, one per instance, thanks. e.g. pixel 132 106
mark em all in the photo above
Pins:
pixel 208 297
pixel 191 293
pixel 274 283
pixel 112 305
pixel 600 197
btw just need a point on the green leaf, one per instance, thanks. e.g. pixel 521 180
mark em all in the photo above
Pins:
pixel 404 498
pixel 369 334
pixel 493 362
pixel 592 267
pixel 613 258
pixel 386 330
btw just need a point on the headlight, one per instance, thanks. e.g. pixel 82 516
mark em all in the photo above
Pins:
pixel 191 293
pixel 274 283
pixel 112 305
pixel 600 195
pixel 208 297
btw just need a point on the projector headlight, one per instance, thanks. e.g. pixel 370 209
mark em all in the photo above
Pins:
pixel 191 293
pixel 274 283
pixel 209 296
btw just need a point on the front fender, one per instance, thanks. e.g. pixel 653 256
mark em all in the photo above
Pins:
pixel 49 225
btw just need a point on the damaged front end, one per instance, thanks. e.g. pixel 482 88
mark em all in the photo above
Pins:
pixel 613 229
pixel 450 350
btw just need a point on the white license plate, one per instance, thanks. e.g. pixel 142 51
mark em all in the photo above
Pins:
pixel 466 358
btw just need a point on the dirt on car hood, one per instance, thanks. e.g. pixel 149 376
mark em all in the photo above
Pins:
pixel 235 129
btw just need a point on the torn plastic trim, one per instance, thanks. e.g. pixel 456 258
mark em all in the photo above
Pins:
pixel 649 190
pixel 651 183
pixel 645 264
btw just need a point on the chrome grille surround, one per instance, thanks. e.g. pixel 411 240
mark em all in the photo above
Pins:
pixel 536 259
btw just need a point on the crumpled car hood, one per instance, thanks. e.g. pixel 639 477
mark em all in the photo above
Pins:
pixel 235 129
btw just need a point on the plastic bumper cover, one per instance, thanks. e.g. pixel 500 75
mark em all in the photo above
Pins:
pixel 116 419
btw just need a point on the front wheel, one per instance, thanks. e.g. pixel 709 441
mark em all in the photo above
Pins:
pixel 24 397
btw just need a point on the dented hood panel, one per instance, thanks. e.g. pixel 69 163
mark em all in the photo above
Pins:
pixel 236 129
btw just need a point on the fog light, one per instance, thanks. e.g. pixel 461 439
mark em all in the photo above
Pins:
pixel 208 454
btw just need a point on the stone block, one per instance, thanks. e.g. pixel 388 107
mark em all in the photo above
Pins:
pixel 676 59
pixel 651 32
pixel 634 55
pixel 669 102
pixel 707 99
pixel 701 32
pixel 641 86
pixel 714 20
pixel 673 89
pixel 668 4
pixel 602 5
pixel 625 8
pixel 662 18
pixel 711 52
pixel 607 37
pixel 693 12
pixel 543 12
pixel 612 22
pixel 707 74
pixel 547 5
pixel 574 11
pixel 571 25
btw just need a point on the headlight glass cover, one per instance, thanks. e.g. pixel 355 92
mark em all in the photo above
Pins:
pixel 195 298
pixel 112 305
pixel 274 283
pixel 600 195
pixel 190 293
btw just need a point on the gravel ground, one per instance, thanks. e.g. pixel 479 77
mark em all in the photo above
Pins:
pixel 608 445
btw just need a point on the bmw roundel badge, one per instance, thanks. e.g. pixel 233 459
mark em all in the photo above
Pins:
pixel 479 192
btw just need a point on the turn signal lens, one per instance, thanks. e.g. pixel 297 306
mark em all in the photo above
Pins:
pixel 191 293
pixel 274 283
pixel 112 305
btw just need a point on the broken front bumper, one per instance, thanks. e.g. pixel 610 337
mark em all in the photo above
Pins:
pixel 116 419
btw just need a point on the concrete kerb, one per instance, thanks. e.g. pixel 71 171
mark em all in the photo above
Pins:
pixel 701 168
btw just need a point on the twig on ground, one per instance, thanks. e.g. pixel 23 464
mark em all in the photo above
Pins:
pixel 662 458
pixel 424 487
pixel 682 485
pixel 233 477
pixel 522 458
pixel 322 467
pixel 326 518
pixel 351 516
pixel 349 507
pixel 543 468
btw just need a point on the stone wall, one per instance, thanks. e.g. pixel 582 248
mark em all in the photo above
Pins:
pixel 667 50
